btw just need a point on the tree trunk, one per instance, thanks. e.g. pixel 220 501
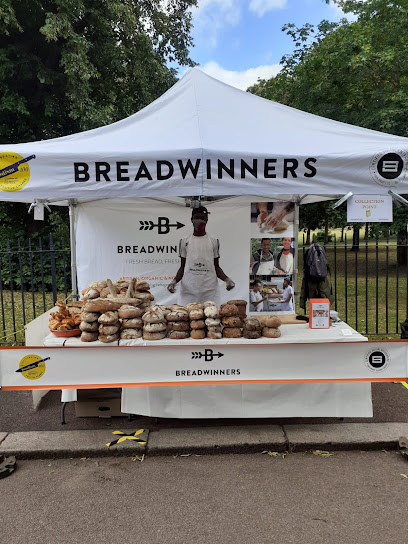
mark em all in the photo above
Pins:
pixel 326 228
pixel 308 237
pixel 402 247
pixel 367 228
pixel 342 234
pixel 356 239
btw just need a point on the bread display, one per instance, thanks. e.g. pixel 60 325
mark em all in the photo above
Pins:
pixel 155 325
pixel 62 320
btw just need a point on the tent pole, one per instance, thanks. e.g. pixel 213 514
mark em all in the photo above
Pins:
pixel 72 205
pixel 296 260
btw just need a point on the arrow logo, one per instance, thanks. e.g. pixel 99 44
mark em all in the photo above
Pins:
pixel 163 225
pixel 208 355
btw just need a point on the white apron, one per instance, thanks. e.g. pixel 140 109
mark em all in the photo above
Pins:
pixel 199 282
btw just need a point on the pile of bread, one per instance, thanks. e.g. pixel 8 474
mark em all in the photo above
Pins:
pixel 63 319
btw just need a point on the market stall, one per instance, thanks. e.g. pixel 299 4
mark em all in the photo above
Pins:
pixel 131 188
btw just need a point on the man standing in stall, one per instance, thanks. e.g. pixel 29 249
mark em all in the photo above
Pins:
pixel 200 270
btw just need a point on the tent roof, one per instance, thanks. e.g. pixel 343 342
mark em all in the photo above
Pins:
pixel 237 144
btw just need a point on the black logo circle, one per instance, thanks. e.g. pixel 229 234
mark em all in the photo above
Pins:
pixel 377 359
pixel 390 166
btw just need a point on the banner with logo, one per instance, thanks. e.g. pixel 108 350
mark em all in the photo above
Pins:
pixel 121 239
pixel 369 209
pixel 59 368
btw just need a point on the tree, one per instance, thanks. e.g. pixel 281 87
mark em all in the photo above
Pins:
pixel 354 72
pixel 80 64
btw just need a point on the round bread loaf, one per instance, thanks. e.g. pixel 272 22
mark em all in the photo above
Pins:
pixel 106 330
pixel 178 325
pixel 91 293
pixel 252 324
pixel 178 315
pixel 130 334
pixel 98 284
pixel 153 316
pixel 228 310
pixel 154 335
pixel 89 336
pixel 129 312
pixel 198 334
pixel 231 321
pixel 197 324
pixel 101 306
pixel 214 335
pixel 196 313
pixel 143 295
pixel 90 317
pixel 217 328
pixel 270 332
pixel 162 309
pixel 132 323
pixel 108 318
pixel 108 338
pixel 211 311
pixel 253 335
pixel 194 306
pixel 211 322
pixel 178 335
pixel 231 332
pixel 155 327
pixel 209 303
pixel 89 327
pixel 142 286
pixel 175 307
pixel 238 303
pixel 271 321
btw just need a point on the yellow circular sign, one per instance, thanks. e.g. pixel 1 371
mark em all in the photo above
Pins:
pixel 34 371
pixel 14 171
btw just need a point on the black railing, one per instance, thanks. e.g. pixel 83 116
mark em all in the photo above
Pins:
pixel 370 282
pixel 33 276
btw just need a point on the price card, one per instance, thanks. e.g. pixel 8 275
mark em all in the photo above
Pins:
pixel 319 313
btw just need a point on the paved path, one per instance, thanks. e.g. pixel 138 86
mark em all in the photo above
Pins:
pixel 348 498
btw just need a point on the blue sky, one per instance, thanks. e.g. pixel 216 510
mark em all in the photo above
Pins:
pixel 238 41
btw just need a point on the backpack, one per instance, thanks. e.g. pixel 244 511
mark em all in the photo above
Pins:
pixel 316 265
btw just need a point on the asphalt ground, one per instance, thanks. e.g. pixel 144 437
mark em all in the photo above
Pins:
pixel 303 498
pixel 390 402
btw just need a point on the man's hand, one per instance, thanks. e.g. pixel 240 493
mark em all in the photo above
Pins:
pixel 172 286
pixel 272 220
pixel 230 284
pixel 261 218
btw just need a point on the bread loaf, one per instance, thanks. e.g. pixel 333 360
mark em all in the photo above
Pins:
pixel 196 313
pixel 143 295
pixel 178 326
pixel 228 310
pixel 214 329
pixel 253 335
pixel 90 317
pixel 175 307
pixel 194 306
pixel 154 327
pixel 214 335
pixel 231 321
pixel 89 327
pixel 211 322
pixel 198 334
pixel 178 335
pixel 130 334
pixel 155 316
pixel 132 323
pixel 89 336
pixel 109 338
pixel 106 330
pixel 101 306
pixel 108 318
pixel 129 312
pixel 198 324
pixel 209 303
pixel 211 311
pixel 178 315
pixel 98 285
pixel 231 332
pixel 90 293
pixel 241 305
pixel 154 335
pixel 142 286
pixel 270 332
pixel 252 324
pixel 271 321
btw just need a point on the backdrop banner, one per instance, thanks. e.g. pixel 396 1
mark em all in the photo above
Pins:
pixel 119 239
pixel 59 368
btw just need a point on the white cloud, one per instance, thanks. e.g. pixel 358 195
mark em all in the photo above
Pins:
pixel 241 80
pixel 260 7
pixel 211 16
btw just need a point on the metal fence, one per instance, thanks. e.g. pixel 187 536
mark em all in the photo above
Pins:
pixel 370 285
pixel 369 281
pixel 33 276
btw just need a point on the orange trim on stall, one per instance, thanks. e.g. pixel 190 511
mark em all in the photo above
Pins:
pixel 171 384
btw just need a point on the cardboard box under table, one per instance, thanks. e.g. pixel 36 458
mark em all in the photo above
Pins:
pixel 247 400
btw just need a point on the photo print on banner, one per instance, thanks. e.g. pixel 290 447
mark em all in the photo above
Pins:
pixel 272 258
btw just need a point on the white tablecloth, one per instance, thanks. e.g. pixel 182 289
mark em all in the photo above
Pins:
pixel 245 401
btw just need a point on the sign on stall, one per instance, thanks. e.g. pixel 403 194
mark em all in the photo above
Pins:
pixel 369 209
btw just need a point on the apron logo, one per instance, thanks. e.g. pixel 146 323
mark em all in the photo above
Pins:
pixel 163 225
pixel 208 355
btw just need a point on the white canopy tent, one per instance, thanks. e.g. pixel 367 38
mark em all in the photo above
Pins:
pixel 205 138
